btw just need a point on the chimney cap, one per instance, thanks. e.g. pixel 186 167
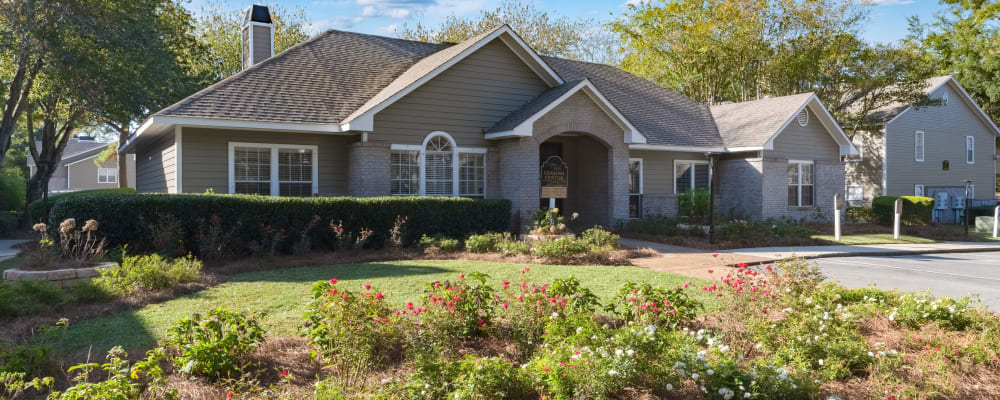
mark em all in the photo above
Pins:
pixel 257 13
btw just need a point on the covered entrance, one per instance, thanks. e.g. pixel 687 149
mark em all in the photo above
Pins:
pixel 587 192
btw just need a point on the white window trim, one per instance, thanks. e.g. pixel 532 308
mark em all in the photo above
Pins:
pixel 919 157
pixel 970 144
pixel 847 192
pixel 275 182
pixel 422 149
pixel 114 176
pixel 692 162
pixel 395 148
pixel 642 167
pixel 972 192
pixel 798 184
pixel 923 192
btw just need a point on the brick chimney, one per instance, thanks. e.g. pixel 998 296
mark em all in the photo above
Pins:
pixel 258 35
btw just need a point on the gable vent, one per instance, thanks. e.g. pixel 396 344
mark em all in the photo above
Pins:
pixel 803 118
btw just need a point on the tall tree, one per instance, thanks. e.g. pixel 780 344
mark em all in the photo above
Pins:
pixel 963 41
pixel 218 30
pixel 22 58
pixel 554 36
pixel 740 50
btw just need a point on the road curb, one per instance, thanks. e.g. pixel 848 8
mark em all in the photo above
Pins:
pixel 867 254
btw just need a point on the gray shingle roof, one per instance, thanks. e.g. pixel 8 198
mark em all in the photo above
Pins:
pixel 752 123
pixel 532 107
pixel 338 75
pixel 321 80
pixel 664 116
pixel 890 111
pixel 75 150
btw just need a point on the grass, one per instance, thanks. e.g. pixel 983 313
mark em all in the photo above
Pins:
pixel 282 295
pixel 874 238
pixel 10 263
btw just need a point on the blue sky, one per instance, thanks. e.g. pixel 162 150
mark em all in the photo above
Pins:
pixel 888 19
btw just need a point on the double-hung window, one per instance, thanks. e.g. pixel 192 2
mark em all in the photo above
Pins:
pixel 691 175
pixel 107 175
pixel 438 168
pixel 918 146
pixel 855 196
pixel 273 169
pixel 635 188
pixel 970 149
pixel 800 184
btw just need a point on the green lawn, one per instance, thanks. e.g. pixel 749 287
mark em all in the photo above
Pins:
pixel 282 294
pixel 10 263
pixel 874 238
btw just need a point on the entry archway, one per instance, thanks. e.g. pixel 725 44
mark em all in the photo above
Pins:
pixel 589 191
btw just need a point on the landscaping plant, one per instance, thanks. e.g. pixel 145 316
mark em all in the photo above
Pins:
pixel 216 344
pixel 139 273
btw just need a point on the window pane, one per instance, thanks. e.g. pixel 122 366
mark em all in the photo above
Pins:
pixel 807 195
pixel 701 176
pixel 793 195
pixel 854 193
pixel 405 172
pixel 472 174
pixel 252 170
pixel 682 176
pixel 439 173
pixel 635 206
pixel 793 174
pixel 295 172
pixel 634 168
pixel 807 174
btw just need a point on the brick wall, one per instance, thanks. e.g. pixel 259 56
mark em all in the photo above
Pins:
pixel 368 169
pixel 829 180
pixel 740 183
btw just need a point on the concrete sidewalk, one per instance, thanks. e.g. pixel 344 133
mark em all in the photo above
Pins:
pixel 771 254
pixel 7 249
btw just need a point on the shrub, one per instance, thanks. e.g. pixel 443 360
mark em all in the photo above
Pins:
pixel 560 248
pixel 549 221
pixel 503 243
pixel 645 304
pixel 758 230
pixel 215 345
pixel 264 222
pixel 916 210
pixel 35 208
pixel 438 243
pixel 693 203
pixel 597 236
pixel 459 309
pixel 8 223
pixel 123 380
pixel 860 215
pixel 12 191
pixel 152 272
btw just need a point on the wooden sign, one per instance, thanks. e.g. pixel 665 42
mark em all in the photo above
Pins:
pixel 554 178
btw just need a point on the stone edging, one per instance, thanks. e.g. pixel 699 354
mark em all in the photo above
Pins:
pixel 61 277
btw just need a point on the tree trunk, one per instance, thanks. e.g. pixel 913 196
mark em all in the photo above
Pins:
pixel 17 96
pixel 123 135
pixel 53 142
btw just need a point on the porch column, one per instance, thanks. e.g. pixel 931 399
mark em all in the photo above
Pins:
pixel 368 169
pixel 519 179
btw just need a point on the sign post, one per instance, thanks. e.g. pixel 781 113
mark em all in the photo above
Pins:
pixel 898 216
pixel 554 179
pixel 996 221
pixel 838 206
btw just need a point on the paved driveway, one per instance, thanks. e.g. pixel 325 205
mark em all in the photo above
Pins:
pixel 7 249
pixel 956 274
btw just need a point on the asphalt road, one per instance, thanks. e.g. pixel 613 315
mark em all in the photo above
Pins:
pixel 956 274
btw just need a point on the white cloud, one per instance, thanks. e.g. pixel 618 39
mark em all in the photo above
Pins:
pixel 336 22
pixel 394 9
pixel 387 30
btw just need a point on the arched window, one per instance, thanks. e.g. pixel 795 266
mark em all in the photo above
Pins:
pixel 438 167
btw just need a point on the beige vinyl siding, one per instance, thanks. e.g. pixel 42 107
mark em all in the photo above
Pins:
pixel 463 101
pixel 658 169
pixel 206 157
pixel 156 167
pixel 261 43
pixel 945 128
pixel 867 172
pixel 810 142
pixel 83 174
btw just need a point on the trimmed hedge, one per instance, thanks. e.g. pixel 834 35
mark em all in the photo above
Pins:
pixel 35 208
pixel 8 223
pixel 246 224
pixel 860 215
pixel 917 210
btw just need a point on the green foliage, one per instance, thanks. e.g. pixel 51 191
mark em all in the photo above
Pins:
pixel 645 304
pixel 12 188
pixel 754 230
pixel 916 210
pixel 215 345
pixel 660 225
pixel 264 223
pixel 13 384
pixel 560 248
pixel 141 273
pixel 494 242
pixel 8 223
pixel 860 215
pixel 549 221
pixel 694 203
pixel 438 243
pixel 470 378
pixel 33 297
pixel 598 236
pixel 123 380
pixel 459 309
pixel 35 208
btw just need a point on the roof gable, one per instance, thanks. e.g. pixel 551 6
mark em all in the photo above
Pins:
pixel 754 125
pixel 431 66
pixel 939 82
